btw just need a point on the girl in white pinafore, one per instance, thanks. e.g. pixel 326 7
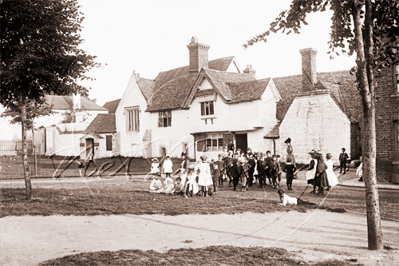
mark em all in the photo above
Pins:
pixel 332 178
pixel 204 176
pixel 191 185
pixel 167 166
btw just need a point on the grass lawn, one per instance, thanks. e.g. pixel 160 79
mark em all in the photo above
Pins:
pixel 213 255
pixel 121 196
pixel 11 166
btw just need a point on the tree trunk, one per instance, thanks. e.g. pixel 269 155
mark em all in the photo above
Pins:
pixel 28 184
pixel 366 86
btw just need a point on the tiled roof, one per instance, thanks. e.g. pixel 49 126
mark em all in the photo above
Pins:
pixel 102 123
pixel 341 84
pixel 222 81
pixel 248 91
pixel 112 105
pixel 221 64
pixel 274 133
pixel 146 86
pixel 172 87
pixel 172 95
pixel 58 102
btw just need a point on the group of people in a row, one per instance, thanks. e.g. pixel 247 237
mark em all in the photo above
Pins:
pixel 240 169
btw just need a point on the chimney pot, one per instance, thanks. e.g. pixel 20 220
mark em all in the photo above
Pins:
pixel 309 72
pixel 250 70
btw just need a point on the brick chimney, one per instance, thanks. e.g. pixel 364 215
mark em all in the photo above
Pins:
pixel 250 70
pixel 77 103
pixel 309 74
pixel 198 55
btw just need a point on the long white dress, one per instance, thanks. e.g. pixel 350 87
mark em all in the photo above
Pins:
pixel 204 176
pixel 192 183
pixel 332 178
pixel 167 166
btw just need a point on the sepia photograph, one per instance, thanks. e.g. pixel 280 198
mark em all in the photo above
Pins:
pixel 199 132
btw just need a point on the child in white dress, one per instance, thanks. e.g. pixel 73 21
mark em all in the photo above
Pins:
pixel 169 186
pixel 332 178
pixel 156 185
pixel 192 185
pixel 167 166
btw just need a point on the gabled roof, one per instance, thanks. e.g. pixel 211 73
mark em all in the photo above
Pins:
pixel 340 84
pixel 112 105
pixel 58 102
pixel 146 86
pixel 221 64
pixel 102 123
pixel 172 87
pixel 222 81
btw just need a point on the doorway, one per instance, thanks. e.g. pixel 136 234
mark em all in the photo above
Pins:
pixel 89 147
pixel 242 142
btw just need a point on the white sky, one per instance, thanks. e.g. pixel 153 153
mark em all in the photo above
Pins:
pixel 152 36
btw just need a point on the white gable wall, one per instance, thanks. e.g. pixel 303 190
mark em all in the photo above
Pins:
pixel 130 143
pixel 314 122
pixel 171 138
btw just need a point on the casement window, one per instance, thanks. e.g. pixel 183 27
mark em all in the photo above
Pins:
pixel 165 119
pixel 207 108
pixel 214 142
pixel 396 77
pixel 132 119
pixel 108 142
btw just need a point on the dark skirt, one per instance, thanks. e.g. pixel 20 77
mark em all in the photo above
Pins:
pixel 321 180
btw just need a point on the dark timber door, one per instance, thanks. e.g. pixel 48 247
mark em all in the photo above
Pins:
pixel 89 147
pixel 242 142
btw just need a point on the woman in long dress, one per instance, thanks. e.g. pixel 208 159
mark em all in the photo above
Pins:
pixel 184 168
pixel 332 178
pixel 321 175
pixel 311 173
pixel 204 176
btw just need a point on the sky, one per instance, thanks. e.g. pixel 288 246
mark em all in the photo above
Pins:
pixel 149 36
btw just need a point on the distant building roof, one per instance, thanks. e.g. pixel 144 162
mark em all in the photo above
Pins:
pixel 102 123
pixel 340 84
pixel 65 102
pixel 112 105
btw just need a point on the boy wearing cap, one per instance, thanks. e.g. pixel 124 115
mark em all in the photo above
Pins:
pixel 289 169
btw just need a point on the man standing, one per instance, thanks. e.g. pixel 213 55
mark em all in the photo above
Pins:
pixel 231 147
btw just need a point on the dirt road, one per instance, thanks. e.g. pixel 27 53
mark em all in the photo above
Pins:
pixel 318 235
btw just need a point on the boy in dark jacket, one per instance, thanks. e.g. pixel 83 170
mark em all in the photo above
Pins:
pixel 342 161
pixel 251 163
pixel 289 169
pixel 235 174
pixel 262 168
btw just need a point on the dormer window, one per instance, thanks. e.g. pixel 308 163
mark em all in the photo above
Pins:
pixel 207 108
pixel 396 77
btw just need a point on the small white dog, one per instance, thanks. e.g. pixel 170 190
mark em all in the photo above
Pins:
pixel 285 199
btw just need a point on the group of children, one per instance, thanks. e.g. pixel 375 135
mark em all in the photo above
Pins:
pixel 240 169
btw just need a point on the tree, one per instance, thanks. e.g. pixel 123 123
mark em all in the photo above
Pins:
pixel 369 29
pixel 40 55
